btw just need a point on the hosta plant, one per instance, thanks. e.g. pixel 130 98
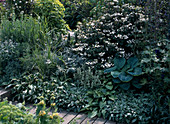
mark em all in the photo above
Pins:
pixel 124 72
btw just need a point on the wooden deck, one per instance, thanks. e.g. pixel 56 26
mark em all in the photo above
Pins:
pixel 80 118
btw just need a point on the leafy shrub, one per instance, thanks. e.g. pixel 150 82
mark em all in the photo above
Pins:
pixel 76 11
pixel 155 60
pixel 26 29
pixel 45 61
pixel 124 72
pixel 19 6
pixel 9 60
pixel 119 28
pixel 17 114
pixel 53 11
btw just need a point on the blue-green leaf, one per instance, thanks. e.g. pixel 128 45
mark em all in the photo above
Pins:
pixel 115 74
pixel 124 77
pixel 136 72
pixel 110 69
pixel 125 86
pixel 119 62
pixel 132 61
pixel 116 80
pixel 136 84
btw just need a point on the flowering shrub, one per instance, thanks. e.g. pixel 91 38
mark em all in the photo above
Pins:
pixel 118 28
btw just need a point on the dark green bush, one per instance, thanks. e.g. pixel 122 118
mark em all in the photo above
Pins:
pixel 118 28
pixel 76 10
pixel 19 7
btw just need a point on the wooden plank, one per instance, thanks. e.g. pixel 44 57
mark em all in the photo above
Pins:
pixel 80 118
pixel 69 117
pixel 99 121
pixel 62 113
pixel 89 120
pixel 110 122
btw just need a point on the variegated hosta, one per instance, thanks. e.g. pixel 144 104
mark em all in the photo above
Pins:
pixel 124 72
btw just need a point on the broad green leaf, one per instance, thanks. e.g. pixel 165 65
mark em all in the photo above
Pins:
pixel 136 84
pixel 110 87
pixel 115 74
pixel 124 77
pixel 124 86
pixel 119 62
pixel 136 71
pixel 116 80
pixel 132 61
pixel 110 69
pixel 93 114
pixel 127 66
pixel 112 98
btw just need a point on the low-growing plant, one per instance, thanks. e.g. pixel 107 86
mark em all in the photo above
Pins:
pixel 120 106
pixel 124 72
pixel 10 114
pixel 87 78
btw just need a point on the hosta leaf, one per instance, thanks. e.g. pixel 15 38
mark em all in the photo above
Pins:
pixel 119 62
pixel 110 87
pixel 136 84
pixel 92 114
pixel 116 80
pixel 110 69
pixel 125 77
pixel 125 86
pixel 115 74
pixel 136 71
pixel 127 66
pixel 132 61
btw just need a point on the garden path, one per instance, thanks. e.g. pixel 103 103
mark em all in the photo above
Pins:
pixel 80 118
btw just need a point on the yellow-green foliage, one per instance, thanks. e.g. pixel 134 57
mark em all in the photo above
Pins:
pixel 10 114
pixel 53 11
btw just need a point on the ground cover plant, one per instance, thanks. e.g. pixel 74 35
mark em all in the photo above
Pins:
pixel 115 65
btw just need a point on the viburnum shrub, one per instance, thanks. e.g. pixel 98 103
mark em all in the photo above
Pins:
pixel 118 28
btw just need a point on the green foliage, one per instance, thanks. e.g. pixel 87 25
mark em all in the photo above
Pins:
pixel 155 60
pixel 125 71
pixel 76 10
pixel 19 7
pixel 10 114
pixel 26 29
pixel 118 28
pixel 53 11
pixel 87 78
pixel 45 61
pixel 9 63
pixel 122 107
